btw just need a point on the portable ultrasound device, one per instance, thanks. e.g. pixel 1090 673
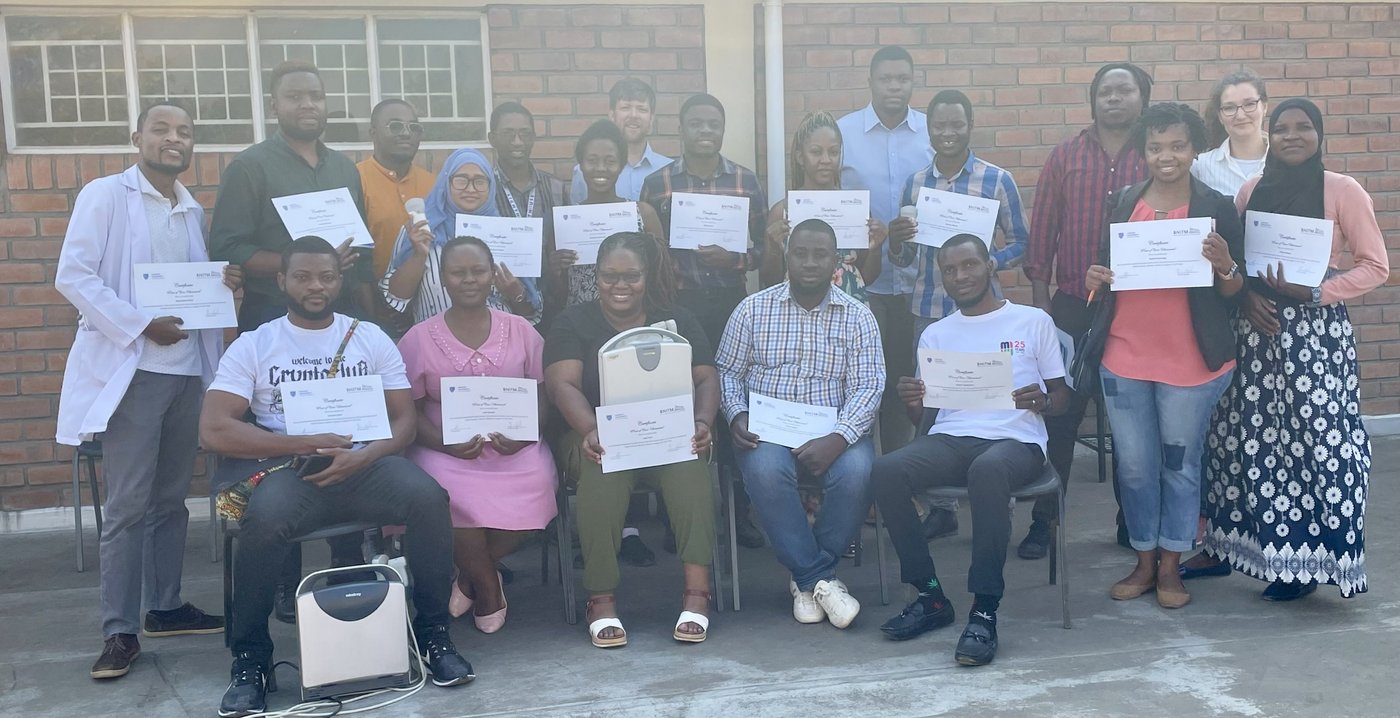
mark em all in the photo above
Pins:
pixel 643 363
pixel 354 636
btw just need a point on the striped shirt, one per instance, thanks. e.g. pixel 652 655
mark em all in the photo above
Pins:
pixel 828 356
pixel 432 299
pixel 1072 199
pixel 732 180
pixel 1225 173
pixel 977 178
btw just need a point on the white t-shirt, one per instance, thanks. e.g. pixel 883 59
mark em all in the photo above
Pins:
pixel 257 363
pixel 1028 335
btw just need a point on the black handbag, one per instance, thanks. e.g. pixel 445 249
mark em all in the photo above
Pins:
pixel 1088 353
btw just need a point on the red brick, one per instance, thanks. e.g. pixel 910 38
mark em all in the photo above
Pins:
pixel 1176 33
pixel 973 13
pixel 536 61
pixel 26 202
pixel 603 16
pixel 518 83
pixel 925 14
pixel 1265 31
pixel 17 172
pixel 1018 13
pixel 43 339
pixel 1351 30
pixel 828 58
pixel 1152 12
pixel 1017 96
pixel 1285 50
pixel 14 317
pixel 1086 33
pixel 1241 52
pixel 541 17
pixel 652 61
pixel 35 249
pixel 592 61
pixel 16 227
pixel 905 35
pixel 1040 76
pixel 999 34
pixel 569 39
pixel 877 14
pixel 1106 53
pixel 17 273
pixel 661 16
pixel 30 499
pixel 678 37
pixel 51 474
pixel 1197 52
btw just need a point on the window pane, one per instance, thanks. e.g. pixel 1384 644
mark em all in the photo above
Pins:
pixel 419 59
pixel 337 47
pixel 68 81
pixel 202 63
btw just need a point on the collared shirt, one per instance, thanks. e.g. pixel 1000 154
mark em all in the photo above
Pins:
pixel 881 159
pixel 1076 189
pixel 538 199
pixel 827 356
pixel 385 194
pixel 1225 173
pixel 170 242
pixel 732 180
pixel 977 178
pixel 629 182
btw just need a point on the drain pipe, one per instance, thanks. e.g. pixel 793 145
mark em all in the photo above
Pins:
pixel 773 92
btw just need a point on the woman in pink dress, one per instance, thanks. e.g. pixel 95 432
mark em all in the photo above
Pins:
pixel 499 487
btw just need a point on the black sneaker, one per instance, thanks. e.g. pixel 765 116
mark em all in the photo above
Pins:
pixel 977 646
pixel 940 523
pixel 636 553
pixel 1037 542
pixel 284 605
pixel 747 534
pixel 915 620
pixel 250 681
pixel 183 621
pixel 443 662
pixel 117 654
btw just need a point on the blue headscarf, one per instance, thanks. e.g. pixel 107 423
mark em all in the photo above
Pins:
pixel 441 210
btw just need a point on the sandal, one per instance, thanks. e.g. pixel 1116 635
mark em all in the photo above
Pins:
pixel 596 627
pixel 698 619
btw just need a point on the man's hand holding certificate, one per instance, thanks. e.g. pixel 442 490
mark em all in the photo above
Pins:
pixel 941 215
pixel 517 242
pixel 1303 245
pixel 329 214
pixel 789 423
pixel 642 434
pixel 966 380
pixel 351 406
pixel 475 406
pixel 703 220
pixel 847 211
pixel 583 227
pixel 1161 254
pixel 193 291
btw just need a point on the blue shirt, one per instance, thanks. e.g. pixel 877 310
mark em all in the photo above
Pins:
pixel 881 159
pixel 976 178
pixel 629 183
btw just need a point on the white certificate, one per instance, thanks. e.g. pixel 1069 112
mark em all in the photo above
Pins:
pixel 640 434
pixel 475 406
pixel 789 423
pixel 942 215
pixel 704 219
pixel 1302 244
pixel 329 214
pixel 192 291
pixel 517 242
pixel 1066 354
pixel 847 211
pixel 352 406
pixel 1161 254
pixel 583 227
pixel 966 380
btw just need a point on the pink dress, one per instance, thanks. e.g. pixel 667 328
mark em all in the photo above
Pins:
pixel 511 493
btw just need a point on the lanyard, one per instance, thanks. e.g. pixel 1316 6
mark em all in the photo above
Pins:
pixel 510 196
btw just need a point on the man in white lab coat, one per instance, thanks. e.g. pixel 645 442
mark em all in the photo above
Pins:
pixel 134 381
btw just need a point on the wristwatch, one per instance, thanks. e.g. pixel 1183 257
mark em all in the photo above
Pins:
pixel 1234 269
pixel 1316 296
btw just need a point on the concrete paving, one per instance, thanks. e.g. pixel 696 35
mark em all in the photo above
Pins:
pixel 1227 653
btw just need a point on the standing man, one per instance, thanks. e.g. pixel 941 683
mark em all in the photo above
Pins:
pixel 135 381
pixel 885 144
pixel 1080 182
pixel 522 189
pixel 632 104
pixel 389 177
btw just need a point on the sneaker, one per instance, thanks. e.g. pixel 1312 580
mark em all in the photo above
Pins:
pixel 1036 543
pixel 747 534
pixel 940 523
pixel 183 621
pixel 117 654
pixel 250 680
pixel 284 605
pixel 977 646
pixel 636 553
pixel 841 607
pixel 441 659
pixel 851 550
pixel 916 620
pixel 804 605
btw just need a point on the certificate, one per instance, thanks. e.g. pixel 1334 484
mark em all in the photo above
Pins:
pixel 480 405
pixel 329 214
pixel 1066 354
pixel 1302 244
pixel 942 215
pixel 352 406
pixel 583 227
pixel 1161 254
pixel 789 423
pixel 192 291
pixel 640 434
pixel 703 219
pixel 517 242
pixel 966 380
pixel 847 211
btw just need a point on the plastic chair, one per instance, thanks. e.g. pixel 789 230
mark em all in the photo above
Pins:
pixel 92 451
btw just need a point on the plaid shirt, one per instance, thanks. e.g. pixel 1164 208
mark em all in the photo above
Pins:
pixel 732 180
pixel 977 178
pixel 829 356
pixel 1076 189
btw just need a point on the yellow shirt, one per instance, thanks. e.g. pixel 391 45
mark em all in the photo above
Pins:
pixel 385 193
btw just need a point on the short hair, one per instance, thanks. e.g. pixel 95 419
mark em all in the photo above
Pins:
pixel 814 225
pixel 890 53
pixel 1162 115
pixel 959 240
pixel 309 244
pixel 630 88
pixel 386 104
pixel 141 118
pixel 701 100
pixel 510 108
pixel 805 129
pixel 464 241
pixel 601 130
pixel 952 97
pixel 1215 129
pixel 290 67
pixel 1140 76
pixel 656 264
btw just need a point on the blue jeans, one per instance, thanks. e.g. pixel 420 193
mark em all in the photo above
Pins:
pixel 1158 433
pixel 810 553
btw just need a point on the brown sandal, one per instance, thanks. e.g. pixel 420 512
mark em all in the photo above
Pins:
pixel 596 627
pixel 698 619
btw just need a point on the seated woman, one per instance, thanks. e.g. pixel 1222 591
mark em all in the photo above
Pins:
pixel 498 487
pixel 634 287
pixel 466 185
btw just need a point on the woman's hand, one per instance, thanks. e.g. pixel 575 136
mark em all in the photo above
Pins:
pixel 507 284
pixel 504 446
pixel 421 237
pixel 1278 283
pixel 1214 249
pixel 592 448
pixel 1098 277
pixel 560 261
pixel 1261 312
pixel 878 233
pixel 701 440
pixel 233 276
pixel 468 451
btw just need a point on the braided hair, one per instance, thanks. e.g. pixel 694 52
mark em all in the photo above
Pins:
pixel 810 124
pixel 656 265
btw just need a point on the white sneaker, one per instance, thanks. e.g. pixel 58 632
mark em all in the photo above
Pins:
pixel 841 608
pixel 804 606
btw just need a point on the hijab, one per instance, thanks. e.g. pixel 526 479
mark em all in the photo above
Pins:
pixel 1293 190
pixel 441 210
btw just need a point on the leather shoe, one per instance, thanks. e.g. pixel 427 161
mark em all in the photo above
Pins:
pixel 118 652
pixel 284 605
pixel 747 534
pixel 1124 591
pixel 1037 542
pixel 977 646
pixel 940 523
pixel 1280 591
pixel 917 620
pixel 1189 572
pixel 635 553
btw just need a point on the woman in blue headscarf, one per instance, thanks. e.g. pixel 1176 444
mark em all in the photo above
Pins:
pixel 466 185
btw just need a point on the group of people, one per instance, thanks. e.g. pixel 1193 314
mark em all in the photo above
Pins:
pixel 1235 407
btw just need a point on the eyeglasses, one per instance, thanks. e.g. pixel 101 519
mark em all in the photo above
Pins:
pixel 479 183
pixel 614 278
pixel 1232 110
pixel 397 127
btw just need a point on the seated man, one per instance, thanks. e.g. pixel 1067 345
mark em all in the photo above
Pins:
pixel 362 481
pixel 991 452
pixel 806 341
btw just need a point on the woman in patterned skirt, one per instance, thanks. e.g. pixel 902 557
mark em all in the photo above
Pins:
pixel 1287 459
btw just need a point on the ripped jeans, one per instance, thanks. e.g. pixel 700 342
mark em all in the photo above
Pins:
pixel 1158 434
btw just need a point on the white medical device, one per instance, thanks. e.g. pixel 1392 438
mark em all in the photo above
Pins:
pixel 643 363
pixel 354 636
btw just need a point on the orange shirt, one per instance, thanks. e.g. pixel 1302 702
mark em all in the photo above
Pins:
pixel 1152 337
pixel 385 193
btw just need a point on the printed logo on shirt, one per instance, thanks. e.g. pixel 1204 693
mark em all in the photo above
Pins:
pixel 1015 348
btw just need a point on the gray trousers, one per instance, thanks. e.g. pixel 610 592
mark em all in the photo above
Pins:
pixel 148 461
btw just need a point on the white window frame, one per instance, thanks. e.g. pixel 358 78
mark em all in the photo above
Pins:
pixel 260 117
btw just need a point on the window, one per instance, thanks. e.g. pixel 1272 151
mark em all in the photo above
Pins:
pixel 77 82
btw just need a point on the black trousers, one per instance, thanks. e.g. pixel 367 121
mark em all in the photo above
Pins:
pixel 989 469
pixel 1073 316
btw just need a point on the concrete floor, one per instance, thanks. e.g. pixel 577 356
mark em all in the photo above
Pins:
pixel 1225 654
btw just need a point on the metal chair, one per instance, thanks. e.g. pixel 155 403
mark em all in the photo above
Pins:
pixel 92 451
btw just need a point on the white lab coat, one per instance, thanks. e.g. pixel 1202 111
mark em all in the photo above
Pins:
pixel 107 234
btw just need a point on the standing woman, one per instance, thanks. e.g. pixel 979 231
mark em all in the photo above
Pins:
pixel 1288 459
pixel 1168 356
pixel 498 487
pixel 1235 127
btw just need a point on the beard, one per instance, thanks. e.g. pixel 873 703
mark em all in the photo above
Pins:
pixel 293 130
pixel 295 307
pixel 975 299
pixel 166 169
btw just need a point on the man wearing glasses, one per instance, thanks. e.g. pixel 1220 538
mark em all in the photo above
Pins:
pixel 389 176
